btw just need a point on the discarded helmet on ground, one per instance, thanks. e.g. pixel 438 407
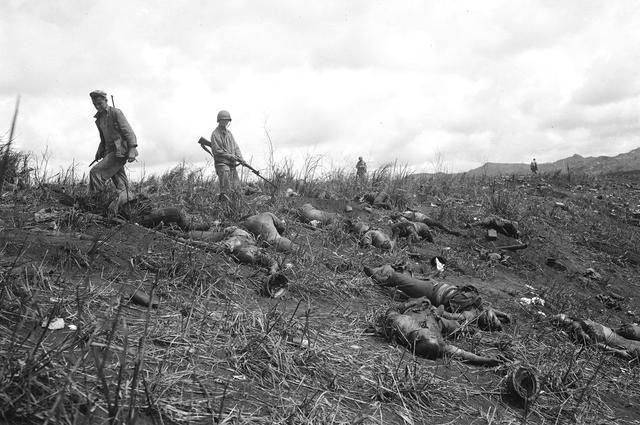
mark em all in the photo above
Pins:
pixel 275 285
pixel 224 115
pixel 522 384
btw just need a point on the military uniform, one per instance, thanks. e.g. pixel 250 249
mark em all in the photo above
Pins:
pixel 224 148
pixel 118 143
pixel 361 169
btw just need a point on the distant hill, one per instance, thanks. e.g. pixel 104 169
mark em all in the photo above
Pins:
pixel 622 163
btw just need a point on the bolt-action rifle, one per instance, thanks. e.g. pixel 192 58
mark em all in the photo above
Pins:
pixel 206 145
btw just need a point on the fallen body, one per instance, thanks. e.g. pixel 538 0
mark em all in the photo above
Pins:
pixel 268 228
pixel 422 329
pixel 500 225
pixel 239 244
pixel 413 231
pixel 309 213
pixel 378 199
pixel 461 303
pixel 138 208
pixel 588 332
pixel 377 238
pixel 423 218
pixel 357 227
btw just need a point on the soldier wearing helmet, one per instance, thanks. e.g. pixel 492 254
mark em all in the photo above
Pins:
pixel 361 170
pixel 226 154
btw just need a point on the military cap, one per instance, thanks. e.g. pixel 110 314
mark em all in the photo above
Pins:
pixel 98 93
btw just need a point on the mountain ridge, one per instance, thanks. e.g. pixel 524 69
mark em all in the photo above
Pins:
pixel 595 165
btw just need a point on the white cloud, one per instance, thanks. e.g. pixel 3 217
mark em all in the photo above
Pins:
pixel 464 81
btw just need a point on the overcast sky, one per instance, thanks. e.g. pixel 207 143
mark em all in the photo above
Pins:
pixel 455 82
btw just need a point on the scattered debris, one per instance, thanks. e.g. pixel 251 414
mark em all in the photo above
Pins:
pixel 290 193
pixel 610 301
pixel 592 274
pixel 555 264
pixel 438 263
pixel 561 205
pixel 143 299
pixel 532 301
pixel 513 247
pixel 47 214
pixel 53 325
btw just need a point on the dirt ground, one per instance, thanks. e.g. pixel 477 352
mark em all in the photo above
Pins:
pixel 217 350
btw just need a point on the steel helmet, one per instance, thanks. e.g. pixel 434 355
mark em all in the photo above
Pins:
pixel 224 115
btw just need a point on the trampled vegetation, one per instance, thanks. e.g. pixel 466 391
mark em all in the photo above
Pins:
pixel 218 350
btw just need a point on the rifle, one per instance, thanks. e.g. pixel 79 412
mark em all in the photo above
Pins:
pixel 205 144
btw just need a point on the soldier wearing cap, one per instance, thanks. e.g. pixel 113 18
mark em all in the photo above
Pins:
pixel 226 154
pixel 118 145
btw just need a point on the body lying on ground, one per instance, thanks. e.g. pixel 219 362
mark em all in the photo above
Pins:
pixel 378 199
pixel 461 303
pixel 309 213
pixel 376 238
pixel 419 327
pixel 266 227
pixel 357 227
pixel 239 244
pixel 500 225
pixel 139 209
pixel 624 341
pixel 419 217
pixel 413 231
pixel 167 216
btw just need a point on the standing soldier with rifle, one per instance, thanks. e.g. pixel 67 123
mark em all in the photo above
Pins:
pixel 118 145
pixel 226 154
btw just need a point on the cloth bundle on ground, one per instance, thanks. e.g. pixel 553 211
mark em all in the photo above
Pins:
pixel 378 199
pixel 588 332
pixel 419 327
pixel 266 227
pixel 239 244
pixel 462 303
pixel 500 225
pixel 412 230
pixel 419 217
pixel 377 238
pixel 309 213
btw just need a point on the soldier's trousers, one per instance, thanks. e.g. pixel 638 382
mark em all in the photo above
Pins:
pixel 110 167
pixel 228 178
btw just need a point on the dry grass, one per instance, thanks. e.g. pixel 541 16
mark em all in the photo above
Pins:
pixel 216 351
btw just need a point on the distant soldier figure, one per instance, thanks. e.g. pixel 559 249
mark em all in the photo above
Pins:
pixel 118 145
pixel 534 166
pixel 361 170
pixel 226 154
